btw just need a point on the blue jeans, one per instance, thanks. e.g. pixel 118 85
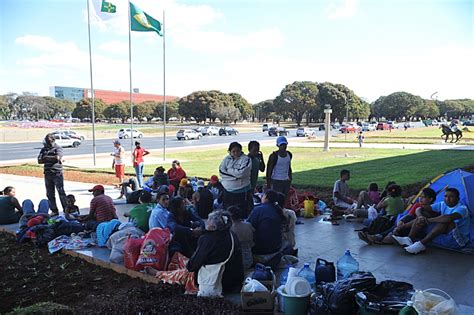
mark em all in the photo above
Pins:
pixel 139 173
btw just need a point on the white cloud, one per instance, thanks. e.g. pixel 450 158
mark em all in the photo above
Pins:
pixel 339 9
pixel 116 47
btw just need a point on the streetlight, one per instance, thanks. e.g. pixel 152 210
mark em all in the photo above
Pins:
pixel 347 117
pixel 327 123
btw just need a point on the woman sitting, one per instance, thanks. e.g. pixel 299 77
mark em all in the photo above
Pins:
pixel 185 227
pixel 393 204
pixel 218 258
pixel 8 205
pixel 267 220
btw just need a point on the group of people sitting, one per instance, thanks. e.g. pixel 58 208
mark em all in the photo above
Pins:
pixel 414 222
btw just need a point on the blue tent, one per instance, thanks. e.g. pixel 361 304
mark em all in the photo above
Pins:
pixel 462 181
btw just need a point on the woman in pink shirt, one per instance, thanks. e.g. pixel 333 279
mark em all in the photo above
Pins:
pixel 369 197
pixel 138 162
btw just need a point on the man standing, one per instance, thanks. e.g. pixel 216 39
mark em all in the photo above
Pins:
pixel 138 162
pixel 119 161
pixel 51 156
pixel 279 174
pixel 258 165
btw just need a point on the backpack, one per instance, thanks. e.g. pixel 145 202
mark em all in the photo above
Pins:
pixel 379 225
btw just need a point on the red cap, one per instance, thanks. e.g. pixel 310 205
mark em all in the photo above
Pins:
pixel 97 187
pixel 214 179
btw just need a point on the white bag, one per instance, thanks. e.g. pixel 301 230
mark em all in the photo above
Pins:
pixel 428 303
pixel 372 213
pixel 253 285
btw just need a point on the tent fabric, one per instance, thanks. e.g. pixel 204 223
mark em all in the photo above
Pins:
pixel 464 182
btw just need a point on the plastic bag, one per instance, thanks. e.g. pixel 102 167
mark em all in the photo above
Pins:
pixel 372 212
pixel 131 252
pixel 309 208
pixel 252 285
pixel 154 250
pixel 428 303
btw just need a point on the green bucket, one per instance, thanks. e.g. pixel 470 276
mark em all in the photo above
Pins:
pixel 294 305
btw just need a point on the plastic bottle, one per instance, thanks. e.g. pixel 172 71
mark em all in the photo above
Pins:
pixel 284 274
pixel 307 273
pixel 408 310
pixel 346 265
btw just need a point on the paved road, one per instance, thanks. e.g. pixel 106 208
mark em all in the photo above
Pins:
pixel 30 150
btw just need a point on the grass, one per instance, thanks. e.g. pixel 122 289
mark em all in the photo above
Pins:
pixel 314 168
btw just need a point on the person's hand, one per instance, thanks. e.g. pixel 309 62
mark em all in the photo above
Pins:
pixel 421 221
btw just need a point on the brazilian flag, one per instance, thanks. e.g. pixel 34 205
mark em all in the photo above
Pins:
pixel 108 7
pixel 142 22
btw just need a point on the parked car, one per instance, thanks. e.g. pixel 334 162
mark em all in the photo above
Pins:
pixel 186 134
pixel 468 123
pixel 65 141
pixel 228 131
pixel 409 124
pixel 349 128
pixel 383 126
pixel 210 131
pixel 126 133
pixel 368 127
pixel 265 127
pixel 336 126
pixel 323 127
pixel 277 131
pixel 199 130
pixel 305 132
pixel 70 133
pixel 392 124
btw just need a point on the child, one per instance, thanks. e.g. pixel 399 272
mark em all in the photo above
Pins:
pixel 244 232
pixel 393 204
pixel 72 211
pixel 360 139
pixel 369 197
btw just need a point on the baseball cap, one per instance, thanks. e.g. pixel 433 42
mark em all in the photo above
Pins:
pixel 200 183
pixel 281 140
pixel 214 179
pixel 97 187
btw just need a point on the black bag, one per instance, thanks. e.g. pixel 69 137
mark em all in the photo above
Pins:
pixel 379 225
pixel 388 297
pixel 134 197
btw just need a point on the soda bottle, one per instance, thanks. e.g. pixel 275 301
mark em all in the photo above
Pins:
pixel 346 265
pixel 307 273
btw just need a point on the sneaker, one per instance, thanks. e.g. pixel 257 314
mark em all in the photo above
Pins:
pixel 415 248
pixel 403 240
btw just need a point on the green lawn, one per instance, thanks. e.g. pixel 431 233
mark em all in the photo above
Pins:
pixel 312 167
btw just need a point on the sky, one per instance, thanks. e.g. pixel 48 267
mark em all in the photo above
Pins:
pixel 251 47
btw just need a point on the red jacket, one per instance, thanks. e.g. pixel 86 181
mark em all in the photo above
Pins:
pixel 175 175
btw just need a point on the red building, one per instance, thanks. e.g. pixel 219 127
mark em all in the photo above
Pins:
pixel 111 97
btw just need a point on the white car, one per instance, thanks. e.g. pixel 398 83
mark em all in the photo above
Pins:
pixel 305 132
pixel 187 134
pixel 126 133
pixel 265 127
pixel 210 131
pixel 65 141
pixel 70 133
pixel 368 127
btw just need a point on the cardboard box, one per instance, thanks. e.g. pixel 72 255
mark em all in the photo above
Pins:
pixel 259 302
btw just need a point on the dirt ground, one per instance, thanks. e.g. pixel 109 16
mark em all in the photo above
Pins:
pixel 29 275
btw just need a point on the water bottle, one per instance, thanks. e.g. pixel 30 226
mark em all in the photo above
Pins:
pixel 284 274
pixel 308 274
pixel 408 310
pixel 346 265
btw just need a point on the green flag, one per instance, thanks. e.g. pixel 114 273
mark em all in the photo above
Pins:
pixel 108 7
pixel 142 22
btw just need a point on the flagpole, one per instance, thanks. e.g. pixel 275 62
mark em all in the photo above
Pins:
pixel 92 84
pixel 164 91
pixel 130 71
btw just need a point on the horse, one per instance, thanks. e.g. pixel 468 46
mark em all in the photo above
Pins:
pixel 447 131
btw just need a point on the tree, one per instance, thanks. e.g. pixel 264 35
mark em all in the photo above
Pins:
pixel 5 111
pixel 227 113
pixel 399 105
pixel 83 109
pixel 456 108
pixel 428 110
pixel 203 105
pixel 58 107
pixel 172 110
pixel 296 99
pixel 30 107
pixel 244 107
pixel 120 110
pixel 144 110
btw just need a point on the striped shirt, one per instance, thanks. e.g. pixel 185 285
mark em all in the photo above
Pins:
pixel 103 207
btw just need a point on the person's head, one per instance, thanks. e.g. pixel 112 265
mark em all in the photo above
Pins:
pixel 389 184
pixel 97 190
pixel 214 180
pixel 394 190
pixel 145 197
pixel 137 144
pixel 176 206
pixel 71 200
pixel 235 212
pixel 428 196
pixel 345 175
pixel 451 197
pixel 175 164
pixel 235 150
pixel 281 143
pixel 254 147
pixel 277 200
pixel 373 187
pixel 183 182
pixel 9 191
pixel 163 199
pixel 117 143
pixel 219 221
pixel 200 184
pixel 49 140
pixel 164 189
pixel 159 171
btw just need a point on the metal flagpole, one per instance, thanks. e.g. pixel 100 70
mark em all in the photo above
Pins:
pixel 130 70
pixel 164 91
pixel 92 84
